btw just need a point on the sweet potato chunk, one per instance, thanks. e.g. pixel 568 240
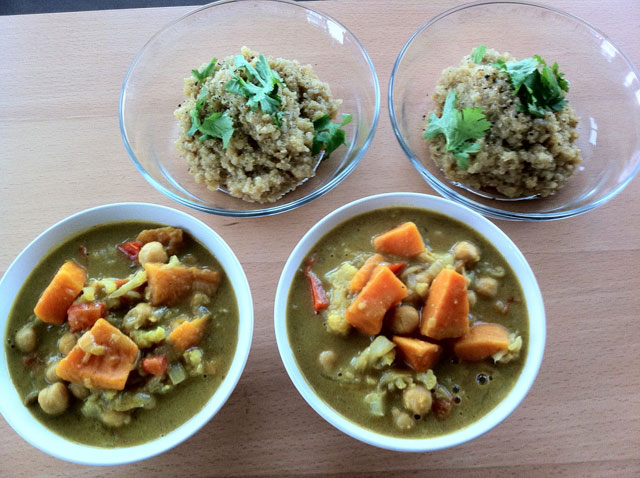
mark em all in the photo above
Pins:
pixel 418 354
pixel 446 313
pixel 170 237
pixel 404 241
pixel 383 291
pixel 83 316
pixel 101 359
pixel 482 341
pixel 169 284
pixel 188 334
pixel 364 273
pixel 60 293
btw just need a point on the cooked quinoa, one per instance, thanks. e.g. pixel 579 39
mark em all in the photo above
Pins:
pixel 262 161
pixel 520 155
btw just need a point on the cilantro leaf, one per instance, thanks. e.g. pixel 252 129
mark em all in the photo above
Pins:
pixel 195 112
pixel 539 87
pixel 518 71
pixel 460 128
pixel 218 125
pixel 260 88
pixel 478 54
pixel 207 71
pixel 329 136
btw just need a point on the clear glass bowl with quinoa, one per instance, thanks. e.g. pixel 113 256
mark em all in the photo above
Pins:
pixel 602 95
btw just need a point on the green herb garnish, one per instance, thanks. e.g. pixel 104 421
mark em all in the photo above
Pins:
pixel 216 125
pixel 260 87
pixel 460 128
pixel 539 89
pixel 329 136
pixel 478 54
pixel 207 71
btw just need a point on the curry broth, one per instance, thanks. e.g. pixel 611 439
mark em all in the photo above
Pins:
pixel 104 260
pixel 308 336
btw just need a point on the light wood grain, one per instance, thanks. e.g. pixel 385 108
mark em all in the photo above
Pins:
pixel 60 77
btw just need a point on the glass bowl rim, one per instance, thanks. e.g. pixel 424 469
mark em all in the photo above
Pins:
pixel 447 191
pixel 262 211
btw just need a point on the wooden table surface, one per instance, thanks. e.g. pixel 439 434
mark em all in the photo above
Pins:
pixel 60 78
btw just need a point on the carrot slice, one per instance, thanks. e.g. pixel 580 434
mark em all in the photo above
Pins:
pixel 83 316
pixel 155 365
pixel 446 313
pixel 419 354
pixel 320 299
pixel 364 273
pixel 404 241
pixel 188 334
pixel 383 291
pixel 101 359
pixel 60 293
pixel 482 341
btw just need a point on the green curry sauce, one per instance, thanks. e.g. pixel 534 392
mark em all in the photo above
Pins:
pixel 475 388
pixel 96 250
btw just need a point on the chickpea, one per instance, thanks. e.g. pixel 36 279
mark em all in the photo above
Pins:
pixel 327 360
pixel 78 391
pixel 54 399
pixel 152 252
pixel 402 420
pixel 50 373
pixel 487 287
pixel 417 399
pixel 404 320
pixel 26 339
pixel 466 252
pixel 112 418
pixel 66 343
pixel 137 317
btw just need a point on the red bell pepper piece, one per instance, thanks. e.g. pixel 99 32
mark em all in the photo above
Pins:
pixel 130 249
pixel 155 365
pixel 320 299
pixel 397 268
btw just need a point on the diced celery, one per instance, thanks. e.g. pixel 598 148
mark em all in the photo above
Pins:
pixel 177 373
pixel 375 400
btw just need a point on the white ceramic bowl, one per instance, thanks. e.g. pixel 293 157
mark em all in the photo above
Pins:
pixel 19 417
pixel 533 297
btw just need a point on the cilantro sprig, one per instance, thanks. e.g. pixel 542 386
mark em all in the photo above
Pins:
pixel 460 128
pixel 478 54
pixel 260 88
pixel 540 87
pixel 206 72
pixel 216 125
pixel 328 135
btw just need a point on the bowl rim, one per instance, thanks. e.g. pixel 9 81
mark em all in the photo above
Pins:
pixel 506 247
pixel 447 191
pixel 28 426
pixel 263 211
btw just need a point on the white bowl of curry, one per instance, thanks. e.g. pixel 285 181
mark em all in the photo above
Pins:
pixel 130 328
pixel 409 322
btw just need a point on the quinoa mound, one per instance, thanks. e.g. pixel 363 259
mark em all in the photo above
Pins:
pixel 262 161
pixel 520 155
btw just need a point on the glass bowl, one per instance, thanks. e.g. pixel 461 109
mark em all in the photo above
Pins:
pixel 153 89
pixel 504 245
pixel 604 93
pixel 20 417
